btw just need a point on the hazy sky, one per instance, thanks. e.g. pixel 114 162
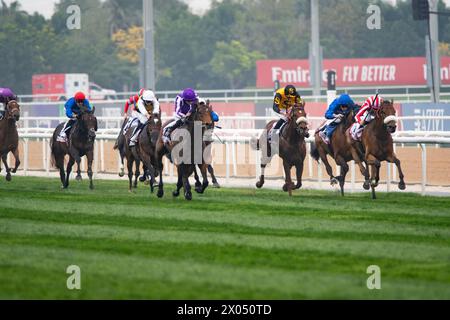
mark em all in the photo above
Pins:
pixel 45 7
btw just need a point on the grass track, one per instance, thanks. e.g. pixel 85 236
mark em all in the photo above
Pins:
pixel 226 244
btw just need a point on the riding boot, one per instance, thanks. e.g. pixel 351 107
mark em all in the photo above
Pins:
pixel 276 128
pixel 171 129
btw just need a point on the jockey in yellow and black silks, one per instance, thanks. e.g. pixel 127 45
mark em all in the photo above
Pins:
pixel 285 98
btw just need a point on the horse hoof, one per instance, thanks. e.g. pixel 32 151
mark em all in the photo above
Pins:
pixel 160 194
pixel 176 194
pixel 298 186
pixel 121 174
pixel 142 179
pixel 14 171
pixel 259 184
pixel 285 188
pixel 402 186
pixel 366 185
pixel 334 181
pixel 216 185
pixel 373 184
pixel 8 177
pixel 79 178
pixel 188 196
pixel 198 185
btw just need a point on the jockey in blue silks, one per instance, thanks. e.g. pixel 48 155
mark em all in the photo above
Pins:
pixel 338 110
pixel 73 109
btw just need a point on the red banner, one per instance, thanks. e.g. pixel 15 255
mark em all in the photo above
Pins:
pixel 350 72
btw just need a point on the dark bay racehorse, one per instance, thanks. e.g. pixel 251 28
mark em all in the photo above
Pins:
pixel 146 148
pixel 340 150
pixel 291 147
pixel 199 122
pixel 376 144
pixel 80 143
pixel 9 138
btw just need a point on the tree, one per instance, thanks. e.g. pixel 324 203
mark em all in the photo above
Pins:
pixel 129 43
pixel 233 61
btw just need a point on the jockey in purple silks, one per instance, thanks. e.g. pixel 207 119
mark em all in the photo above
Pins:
pixel 6 95
pixel 184 104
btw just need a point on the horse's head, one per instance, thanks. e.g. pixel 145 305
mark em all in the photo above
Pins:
pixel 88 122
pixel 13 110
pixel 153 128
pixel 203 114
pixel 298 115
pixel 387 114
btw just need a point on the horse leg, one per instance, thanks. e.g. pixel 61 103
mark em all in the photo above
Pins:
pixel 364 170
pixel 59 161
pixel 374 164
pixel 205 184
pixel 159 169
pixel 299 172
pixel 137 173
pixel 78 177
pixel 288 186
pixel 213 177
pixel 324 158
pixel 68 171
pixel 260 183
pixel 16 156
pixel 344 169
pixel 90 160
pixel 198 184
pixel 176 193
pixel 122 165
pixel 393 159
pixel 130 162
pixel 187 186
pixel 8 170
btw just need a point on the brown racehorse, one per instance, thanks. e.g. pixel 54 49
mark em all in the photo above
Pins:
pixel 291 147
pixel 377 145
pixel 146 147
pixel 199 119
pixel 9 138
pixel 208 143
pixel 80 143
pixel 340 150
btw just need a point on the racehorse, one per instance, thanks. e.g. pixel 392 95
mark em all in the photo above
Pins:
pixel 80 143
pixel 146 148
pixel 184 161
pixel 9 138
pixel 208 142
pixel 290 144
pixel 340 150
pixel 376 144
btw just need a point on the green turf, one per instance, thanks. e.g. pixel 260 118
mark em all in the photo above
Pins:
pixel 225 244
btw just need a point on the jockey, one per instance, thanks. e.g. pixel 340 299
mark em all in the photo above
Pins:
pixel 184 106
pixel 365 115
pixel 147 105
pixel 284 100
pixel 337 111
pixel 73 109
pixel 129 105
pixel 6 95
pixel 214 116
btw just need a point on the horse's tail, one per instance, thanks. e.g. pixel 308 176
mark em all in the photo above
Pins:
pixel 314 151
